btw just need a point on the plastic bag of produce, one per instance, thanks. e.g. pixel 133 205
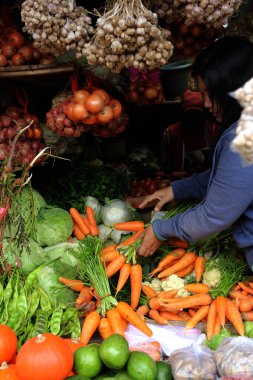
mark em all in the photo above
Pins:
pixel 234 358
pixel 194 363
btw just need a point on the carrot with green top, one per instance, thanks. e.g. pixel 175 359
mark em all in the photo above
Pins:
pixel 115 265
pixel 171 316
pixel 132 317
pixel 136 284
pixel 104 328
pixel 109 256
pixel 167 293
pixel 234 316
pixel 155 315
pixel 143 310
pixel 132 226
pixel 199 267
pixel 78 219
pixel 75 285
pixel 245 287
pixel 78 233
pixel 90 325
pixel 211 320
pixel 115 321
pixel 123 276
pixel 85 295
pixel 167 260
pixel 200 314
pixel 221 306
pixel 217 326
pixel 132 239
pixel 187 259
pixel 247 316
pixel 188 302
pixel 185 271
pixel 246 305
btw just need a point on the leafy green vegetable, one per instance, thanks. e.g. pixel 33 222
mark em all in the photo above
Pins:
pixel 63 251
pixel 29 255
pixel 216 339
pixel 248 326
pixel 48 280
pixel 53 225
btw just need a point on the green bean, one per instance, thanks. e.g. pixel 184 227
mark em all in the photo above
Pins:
pixel 22 303
pixel 15 320
pixel 1 293
pixel 45 302
pixel 40 326
pixel 68 315
pixel 5 315
pixel 76 329
pixel 55 322
pixel 7 291
pixel 12 305
pixel 33 304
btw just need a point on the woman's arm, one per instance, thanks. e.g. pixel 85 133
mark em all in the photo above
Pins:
pixel 193 187
pixel 228 197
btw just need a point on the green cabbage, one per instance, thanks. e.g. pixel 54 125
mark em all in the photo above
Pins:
pixel 53 225
pixel 24 208
pixel 48 280
pixel 29 255
pixel 62 251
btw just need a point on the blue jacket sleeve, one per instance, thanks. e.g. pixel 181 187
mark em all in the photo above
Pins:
pixel 229 195
pixel 194 187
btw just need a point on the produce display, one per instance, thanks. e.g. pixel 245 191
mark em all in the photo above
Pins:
pixel 56 27
pixel 15 51
pixel 128 35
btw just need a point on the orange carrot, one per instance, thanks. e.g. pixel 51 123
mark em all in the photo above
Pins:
pixel 221 305
pixel 148 291
pixel 75 285
pixel 217 326
pixel 94 231
pixel 155 303
pixel 200 314
pixel 136 284
pixel 167 260
pixel 115 265
pixel 188 302
pixel 90 325
pixel 196 288
pixel 248 289
pixel 185 261
pixel 234 316
pixel 185 315
pixel 171 316
pixel 237 294
pixel 183 272
pixel 132 239
pixel 134 226
pixel 78 233
pixel 85 295
pixel 251 284
pixel 114 319
pixel 109 256
pixel 108 248
pixel 104 328
pixel 192 312
pixel 178 243
pixel 247 316
pixel 123 276
pixel 211 320
pixel 246 305
pixel 124 324
pixel 132 317
pixel 199 267
pixel 143 310
pixel 154 314
pixel 167 293
pixel 78 219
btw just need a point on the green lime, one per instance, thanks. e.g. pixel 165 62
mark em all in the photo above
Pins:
pixel 140 366
pixel 78 377
pixel 122 375
pixel 114 351
pixel 87 361
pixel 102 376
pixel 163 371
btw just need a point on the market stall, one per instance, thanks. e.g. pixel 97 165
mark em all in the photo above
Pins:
pixel 98 109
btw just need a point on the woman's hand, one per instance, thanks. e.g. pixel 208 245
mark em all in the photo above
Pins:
pixel 163 196
pixel 150 243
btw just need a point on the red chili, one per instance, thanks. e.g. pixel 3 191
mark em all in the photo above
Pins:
pixel 3 212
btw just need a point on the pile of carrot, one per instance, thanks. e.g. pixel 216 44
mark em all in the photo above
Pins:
pixel 84 225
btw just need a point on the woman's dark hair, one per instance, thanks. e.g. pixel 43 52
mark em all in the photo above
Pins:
pixel 224 66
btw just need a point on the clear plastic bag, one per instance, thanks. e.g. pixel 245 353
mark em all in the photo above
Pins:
pixel 193 363
pixel 234 358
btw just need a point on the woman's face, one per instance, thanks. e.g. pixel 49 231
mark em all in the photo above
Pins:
pixel 211 106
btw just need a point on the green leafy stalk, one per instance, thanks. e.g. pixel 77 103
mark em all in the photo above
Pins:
pixel 130 251
pixel 93 272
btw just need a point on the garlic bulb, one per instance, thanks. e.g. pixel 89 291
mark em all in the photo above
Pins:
pixel 126 35
pixel 56 26
pixel 243 142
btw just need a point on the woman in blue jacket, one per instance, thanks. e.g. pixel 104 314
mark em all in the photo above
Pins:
pixel 225 191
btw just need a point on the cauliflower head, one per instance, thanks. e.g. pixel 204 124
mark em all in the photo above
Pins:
pixel 155 284
pixel 175 282
pixel 212 277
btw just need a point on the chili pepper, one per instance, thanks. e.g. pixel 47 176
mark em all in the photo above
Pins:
pixel 3 212
pixel 55 322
